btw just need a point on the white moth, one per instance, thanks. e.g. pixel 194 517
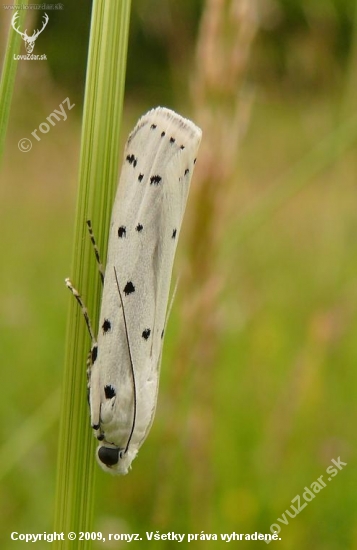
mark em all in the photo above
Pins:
pixel 159 159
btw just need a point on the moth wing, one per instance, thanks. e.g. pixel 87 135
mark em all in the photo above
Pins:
pixel 146 221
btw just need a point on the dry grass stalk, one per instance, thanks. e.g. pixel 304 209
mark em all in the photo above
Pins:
pixel 227 30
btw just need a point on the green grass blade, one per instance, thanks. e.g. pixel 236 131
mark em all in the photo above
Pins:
pixel 8 76
pixel 97 183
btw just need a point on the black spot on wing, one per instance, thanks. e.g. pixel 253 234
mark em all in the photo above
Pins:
pixel 100 437
pixel 94 353
pixel 173 236
pixel 186 171
pixel 129 288
pixel 122 232
pixel 146 333
pixel 132 160
pixel 182 147
pixel 155 180
pixel 109 391
pixel 172 140
pixel 139 227
pixel 162 333
pixel 152 127
pixel 163 134
pixel 140 177
pixel 106 326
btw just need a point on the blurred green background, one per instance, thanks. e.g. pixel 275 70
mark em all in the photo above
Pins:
pixel 258 375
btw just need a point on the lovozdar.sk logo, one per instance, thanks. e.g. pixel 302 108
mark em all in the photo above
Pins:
pixel 29 40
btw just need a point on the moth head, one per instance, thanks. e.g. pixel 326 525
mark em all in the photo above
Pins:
pixel 114 460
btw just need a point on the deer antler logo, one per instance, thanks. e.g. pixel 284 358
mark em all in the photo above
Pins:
pixel 29 40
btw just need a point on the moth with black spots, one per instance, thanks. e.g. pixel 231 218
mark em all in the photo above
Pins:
pixel 159 159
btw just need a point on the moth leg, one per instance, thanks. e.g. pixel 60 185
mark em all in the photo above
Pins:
pixel 93 352
pixel 96 251
pixel 89 364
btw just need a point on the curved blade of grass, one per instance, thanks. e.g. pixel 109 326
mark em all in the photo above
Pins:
pixel 8 75
pixel 97 182
pixel 327 151
pixel 29 433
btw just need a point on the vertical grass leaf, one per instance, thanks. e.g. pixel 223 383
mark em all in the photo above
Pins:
pixel 8 75
pixel 97 181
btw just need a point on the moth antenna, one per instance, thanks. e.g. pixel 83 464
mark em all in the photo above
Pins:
pixel 172 301
pixel 168 313
pixel 131 365
pixel 96 250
